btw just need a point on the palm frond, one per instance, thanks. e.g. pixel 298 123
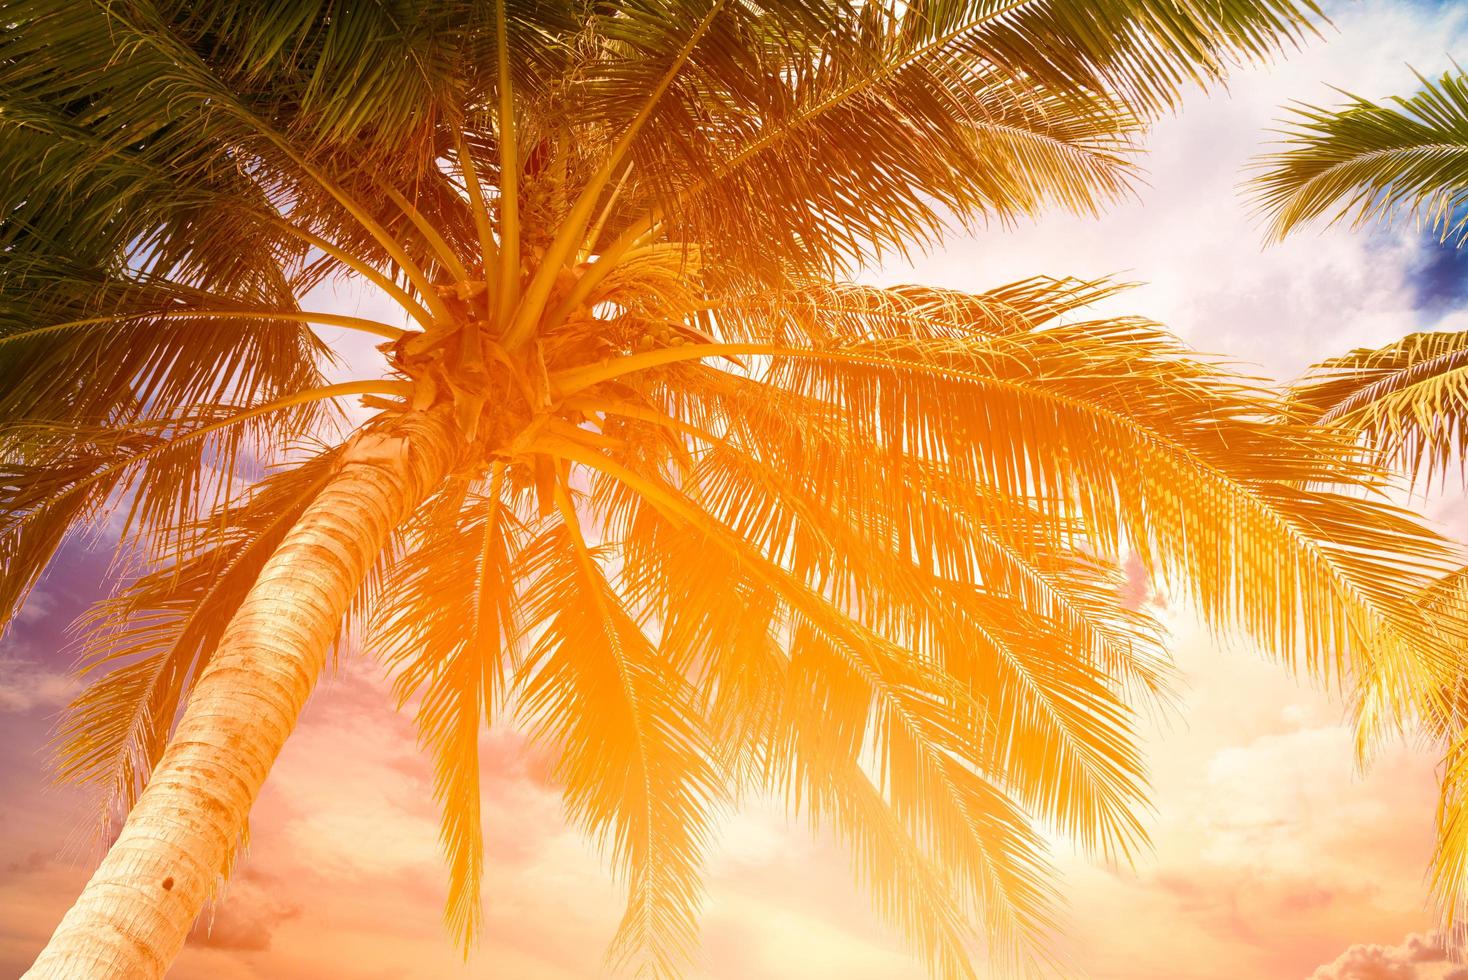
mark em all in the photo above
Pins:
pixel 1405 402
pixel 990 108
pixel 999 612
pixel 928 735
pixel 1151 447
pixel 145 646
pixel 634 758
pixel 1369 161
pixel 450 649
pixel 168 472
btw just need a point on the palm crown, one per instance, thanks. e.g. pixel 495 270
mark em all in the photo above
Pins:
pixel 718 521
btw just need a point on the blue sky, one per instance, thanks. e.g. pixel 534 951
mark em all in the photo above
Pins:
pixel 1439 277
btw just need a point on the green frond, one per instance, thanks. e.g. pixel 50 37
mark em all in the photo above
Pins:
pixel 1445 604
pixel 144 647
pixel 1371 161
pixel 929 773
pixel 166 354
pixel 998 612
pixel 61 480
pixel 167 472
pixel 949 580
pixel 831 311
pixel 1449 875
pixel 989 108
pixel 953 466
pixel 908 886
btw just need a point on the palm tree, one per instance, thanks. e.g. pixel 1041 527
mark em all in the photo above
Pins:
pixel 643 469
pixel 1405 404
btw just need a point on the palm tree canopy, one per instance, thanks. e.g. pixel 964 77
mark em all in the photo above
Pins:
pixel 726 522
pixel 1369 160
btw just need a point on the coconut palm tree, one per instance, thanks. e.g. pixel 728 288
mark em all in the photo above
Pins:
pixel 643 470
pixel 1405 404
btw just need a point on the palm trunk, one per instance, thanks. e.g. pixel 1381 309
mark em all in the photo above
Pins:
pixel 132 918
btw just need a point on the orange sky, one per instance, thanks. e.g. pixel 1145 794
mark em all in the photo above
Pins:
pixel 1274 858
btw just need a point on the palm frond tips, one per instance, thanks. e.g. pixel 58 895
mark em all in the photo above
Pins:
pixel 1007 617
pixel 165 473
pixel 449 646
pixel 1370 161
pixel 855 690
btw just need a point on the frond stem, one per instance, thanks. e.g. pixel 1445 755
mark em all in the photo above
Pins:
pixel 489 258
pixel 570 234
pixel 403 298
pixel 430 235
pixel 375 327
pixel 509 202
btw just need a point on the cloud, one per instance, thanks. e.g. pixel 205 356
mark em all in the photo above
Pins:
pixel 1421 956
pixel 1136 588
pixel 1440 278
pixel 245 918
pixel 26 685
pixel 39 605
pixel 32 863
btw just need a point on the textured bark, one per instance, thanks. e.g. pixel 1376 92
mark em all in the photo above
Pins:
pixel 132 918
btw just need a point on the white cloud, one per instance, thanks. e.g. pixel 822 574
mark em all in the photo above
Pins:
pixel 39 604
pixel 1420 956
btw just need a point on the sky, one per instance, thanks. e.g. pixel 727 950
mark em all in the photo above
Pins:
pixel 1274 855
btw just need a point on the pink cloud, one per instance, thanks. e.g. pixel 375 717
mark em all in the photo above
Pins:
pixel 1421 956
pixel 26 685
pixel 1136 589
pixel 246 916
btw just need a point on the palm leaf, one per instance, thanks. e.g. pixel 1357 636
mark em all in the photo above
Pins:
pixel 1406 402
pixel 144 647
pixel 635 767
pixel 1368 161
pixel 449 649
